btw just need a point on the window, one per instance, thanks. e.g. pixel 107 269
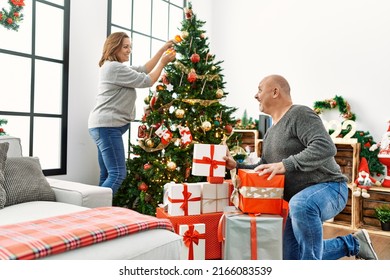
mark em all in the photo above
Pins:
pixel 34 80
pixel 149 23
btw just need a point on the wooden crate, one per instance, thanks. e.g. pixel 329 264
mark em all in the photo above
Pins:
pixel 247 137
pixel 378 196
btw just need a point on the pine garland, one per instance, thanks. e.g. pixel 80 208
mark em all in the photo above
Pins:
pixel 11 18
pixel 2 132
pixel 363 137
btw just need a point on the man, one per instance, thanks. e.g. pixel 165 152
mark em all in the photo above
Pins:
pixel 299 146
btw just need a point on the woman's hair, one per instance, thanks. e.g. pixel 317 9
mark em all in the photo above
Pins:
pixel 111 46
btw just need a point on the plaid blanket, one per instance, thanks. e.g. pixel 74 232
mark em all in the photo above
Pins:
pixel 40 238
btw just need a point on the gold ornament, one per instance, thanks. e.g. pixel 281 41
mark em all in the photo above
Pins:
pixel 179 113
pixel 149 143
pixel 171 165
pixel 219 93
pixel 206 126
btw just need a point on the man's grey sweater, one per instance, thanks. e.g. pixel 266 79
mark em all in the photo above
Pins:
pixel 115 101
pixel 301 142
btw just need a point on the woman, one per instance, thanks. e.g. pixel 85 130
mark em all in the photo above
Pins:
pixel 115 102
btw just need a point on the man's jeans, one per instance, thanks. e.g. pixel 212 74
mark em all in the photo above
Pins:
pixel 111 155
pixel 303 234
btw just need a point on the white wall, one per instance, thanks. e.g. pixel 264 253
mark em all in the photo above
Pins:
pixel 324 48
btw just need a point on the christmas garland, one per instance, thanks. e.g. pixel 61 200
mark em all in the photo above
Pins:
pixel 363 138
pixel 337 101
pixel 10 19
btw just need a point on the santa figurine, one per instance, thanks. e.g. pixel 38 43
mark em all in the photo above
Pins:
pixel 364 181
pixel 384 154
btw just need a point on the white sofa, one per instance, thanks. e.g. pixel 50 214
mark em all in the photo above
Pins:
pixel 73 197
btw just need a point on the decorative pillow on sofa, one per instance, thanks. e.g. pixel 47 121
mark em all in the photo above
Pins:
pixel 3 158
pixel 25 181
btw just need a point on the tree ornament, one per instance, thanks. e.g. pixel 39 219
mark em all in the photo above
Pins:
pixel 164 79
pixel 153 101
pixel 149 143
pixel 195 58
pixel 228 128
pixel 159 87
pixel 184 34
pixel 143 187
pixel 179 113
pixel 171 165
pixel 188 12
pixel 177 39
pixel 192 77
pixel 147 166
pixel 202 36
pixel 219 93
pixel 206 126
pixel 142 131
pixel 10 18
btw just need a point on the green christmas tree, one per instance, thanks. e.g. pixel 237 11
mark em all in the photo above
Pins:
pixel 185 108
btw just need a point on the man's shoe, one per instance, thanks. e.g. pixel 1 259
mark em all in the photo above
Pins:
pixel 366 251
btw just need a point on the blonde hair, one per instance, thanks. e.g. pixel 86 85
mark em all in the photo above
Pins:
pixel 112 44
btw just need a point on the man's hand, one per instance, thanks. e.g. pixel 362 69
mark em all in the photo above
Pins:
pixel 272 168
pixel 230 162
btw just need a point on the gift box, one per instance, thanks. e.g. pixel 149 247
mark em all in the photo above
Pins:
pixel 251 237
pixel 211 220
pixel 183 199
pixel 194 241
pixel 215 197
pixel 256 194
pixel 208 160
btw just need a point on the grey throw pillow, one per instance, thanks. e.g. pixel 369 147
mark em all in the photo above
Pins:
pixel 3 158
pixel 25 181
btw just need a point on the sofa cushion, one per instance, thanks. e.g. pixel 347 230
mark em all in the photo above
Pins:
pixel 25 181
pixel 3 158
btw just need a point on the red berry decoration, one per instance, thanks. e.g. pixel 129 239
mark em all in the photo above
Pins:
pixel 195 58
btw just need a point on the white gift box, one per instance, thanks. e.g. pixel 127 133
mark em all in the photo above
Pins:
pixel 194 241
pixel 215 197
pixel 208 160
pixel 183 199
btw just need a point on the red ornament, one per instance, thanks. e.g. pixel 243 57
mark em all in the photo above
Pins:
pixel 153 101
pixel 142 131
pixel 9 20
pixel 18 2
pixel 191 77
pixel 147 166
pixel 195 58
pixel 228 128
pixel 143 187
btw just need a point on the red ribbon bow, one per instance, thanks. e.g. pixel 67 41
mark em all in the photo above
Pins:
pixel 210 160
pixel 190 237
pixel 185 200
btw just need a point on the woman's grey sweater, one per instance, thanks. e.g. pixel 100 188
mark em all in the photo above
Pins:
pixel 301 142
pixel 115 101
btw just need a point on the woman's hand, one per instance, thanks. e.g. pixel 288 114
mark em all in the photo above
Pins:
pixel 168 56
pixel 168 44
pixel 273 168
pixel 230 162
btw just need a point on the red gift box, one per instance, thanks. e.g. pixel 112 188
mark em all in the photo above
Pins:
pixel 258 195
pixel 211 220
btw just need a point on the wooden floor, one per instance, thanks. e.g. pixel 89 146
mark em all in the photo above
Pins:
pixel 381 243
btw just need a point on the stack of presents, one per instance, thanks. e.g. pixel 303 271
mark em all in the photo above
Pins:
pixel 237 219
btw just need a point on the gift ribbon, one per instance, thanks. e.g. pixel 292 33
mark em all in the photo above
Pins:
pixel 253 237
pixel 211 161
pixel 258 192
pixel 185 200
pixel 190 237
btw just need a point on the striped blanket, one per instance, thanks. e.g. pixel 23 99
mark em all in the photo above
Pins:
pixel 44 237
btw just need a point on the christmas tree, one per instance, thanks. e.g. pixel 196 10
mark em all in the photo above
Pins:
pixel 185 108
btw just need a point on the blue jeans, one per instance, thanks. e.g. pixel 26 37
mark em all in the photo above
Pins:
pixel 111 155
pixel 303 233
